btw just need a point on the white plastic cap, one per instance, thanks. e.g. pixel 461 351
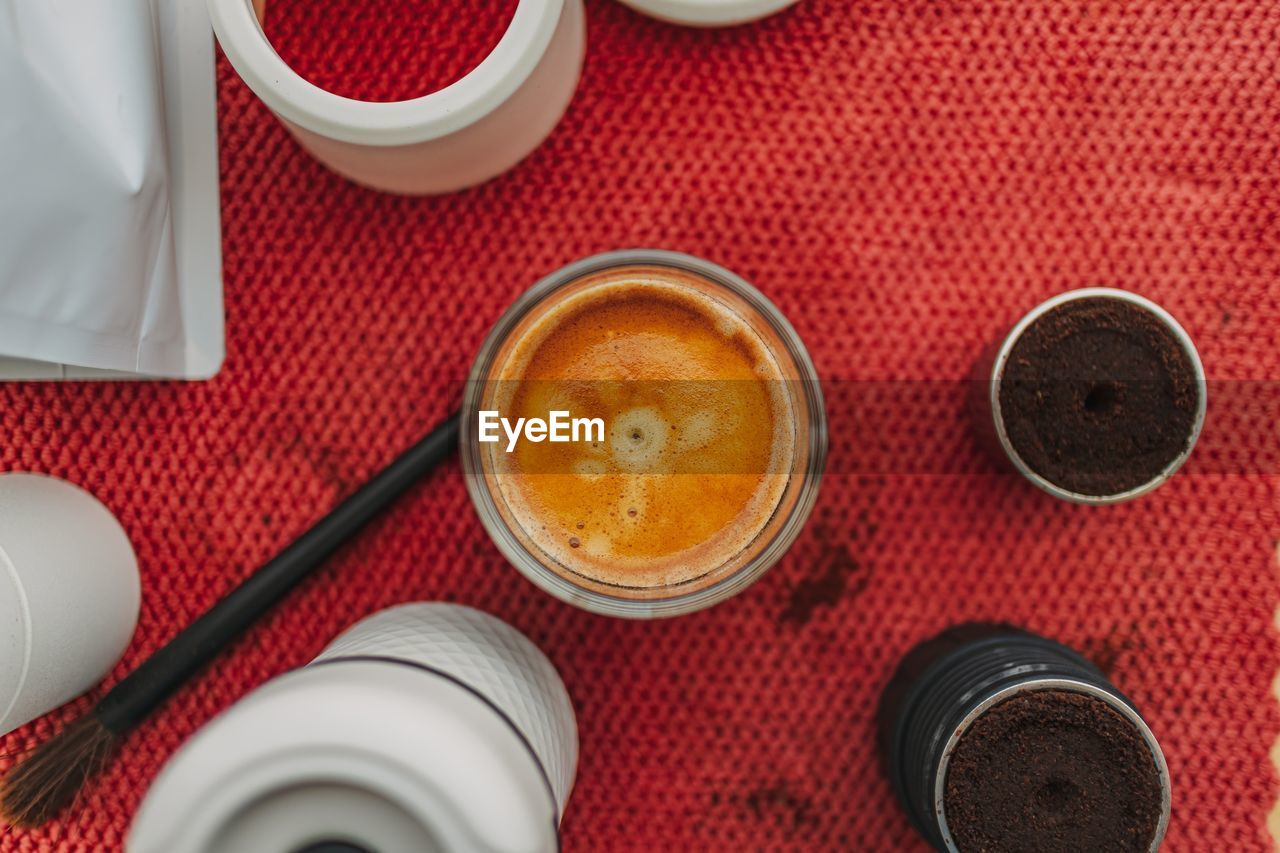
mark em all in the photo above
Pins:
pixel 69 595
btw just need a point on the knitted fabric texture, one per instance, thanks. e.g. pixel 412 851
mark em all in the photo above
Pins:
pixel 904 179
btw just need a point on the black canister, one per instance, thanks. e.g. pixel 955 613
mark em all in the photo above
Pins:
pixel 1048 754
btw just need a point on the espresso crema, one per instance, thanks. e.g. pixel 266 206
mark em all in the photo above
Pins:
pixel 699 428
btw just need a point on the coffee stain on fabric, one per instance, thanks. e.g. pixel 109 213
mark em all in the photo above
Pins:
pixel 778 803
pixel 1106 652
pixel 837 576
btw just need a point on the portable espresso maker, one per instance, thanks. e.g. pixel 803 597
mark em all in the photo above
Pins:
pixel 426 727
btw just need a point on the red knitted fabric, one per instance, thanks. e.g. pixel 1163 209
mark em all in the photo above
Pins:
pixel 903 178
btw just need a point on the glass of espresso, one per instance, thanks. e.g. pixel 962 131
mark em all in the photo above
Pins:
pixel 643 434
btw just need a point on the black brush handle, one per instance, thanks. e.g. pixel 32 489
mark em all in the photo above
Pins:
pixel 148 686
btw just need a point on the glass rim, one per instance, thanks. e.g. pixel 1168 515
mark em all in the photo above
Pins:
pixel 558 584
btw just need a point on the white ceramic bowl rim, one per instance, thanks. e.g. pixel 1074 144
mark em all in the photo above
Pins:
pixel 709 12
pixel 431 116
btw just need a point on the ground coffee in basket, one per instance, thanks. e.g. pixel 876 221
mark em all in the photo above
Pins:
pixel 1052 771
pixel 1098 396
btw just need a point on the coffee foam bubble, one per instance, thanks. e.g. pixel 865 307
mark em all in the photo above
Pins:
pixel 637 439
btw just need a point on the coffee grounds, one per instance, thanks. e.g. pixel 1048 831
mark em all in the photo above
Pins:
pixel 1098 396
pixel 1052 771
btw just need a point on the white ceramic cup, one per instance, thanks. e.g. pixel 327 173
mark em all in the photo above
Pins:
pixel 709 13
pixel 427 727
pixel 459 136
pixel 69 594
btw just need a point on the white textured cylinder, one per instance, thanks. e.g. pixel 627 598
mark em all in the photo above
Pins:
pixel 69 594
pixel 462 135
pixel 487 655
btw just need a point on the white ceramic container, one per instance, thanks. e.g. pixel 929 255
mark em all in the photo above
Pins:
pixel 459 136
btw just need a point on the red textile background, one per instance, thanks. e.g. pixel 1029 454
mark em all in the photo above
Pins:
pixel 904 178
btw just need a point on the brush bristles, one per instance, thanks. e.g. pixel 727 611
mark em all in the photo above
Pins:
pixel 49 779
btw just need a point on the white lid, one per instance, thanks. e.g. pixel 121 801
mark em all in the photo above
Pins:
pixel 378 754
pixel 15 638
pixel 709 13
pixel 69 594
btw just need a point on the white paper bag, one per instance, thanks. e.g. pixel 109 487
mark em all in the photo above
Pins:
pixel 91 272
